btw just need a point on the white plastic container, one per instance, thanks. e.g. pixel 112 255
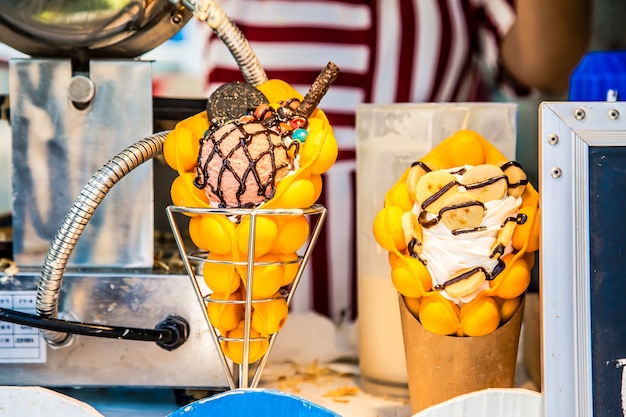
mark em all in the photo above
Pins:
pixel 41 402
pixel 513 402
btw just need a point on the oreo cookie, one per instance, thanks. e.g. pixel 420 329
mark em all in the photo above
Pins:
pixel 233 100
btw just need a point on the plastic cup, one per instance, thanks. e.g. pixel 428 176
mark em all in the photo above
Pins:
pixel 388 139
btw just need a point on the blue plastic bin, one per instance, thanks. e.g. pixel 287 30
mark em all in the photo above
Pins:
pixel 598 76
pixel 253 402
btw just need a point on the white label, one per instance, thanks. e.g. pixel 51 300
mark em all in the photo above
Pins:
pixel 18 343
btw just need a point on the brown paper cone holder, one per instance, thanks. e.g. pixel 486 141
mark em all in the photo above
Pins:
pixel 442 367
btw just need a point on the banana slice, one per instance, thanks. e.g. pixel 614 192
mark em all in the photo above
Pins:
pixel 413 235
pixel 516 178
pixel 417 170
pixel 486 181
pixel 505 234
pixel 462 211
pixel 432 189
pixel 465 282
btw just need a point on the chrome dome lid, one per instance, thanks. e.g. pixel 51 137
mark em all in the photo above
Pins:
pixel 86 29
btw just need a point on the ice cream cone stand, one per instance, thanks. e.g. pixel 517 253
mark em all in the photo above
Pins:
pixel 85 304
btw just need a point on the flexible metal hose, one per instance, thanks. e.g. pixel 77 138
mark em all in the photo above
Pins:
pixel 77 218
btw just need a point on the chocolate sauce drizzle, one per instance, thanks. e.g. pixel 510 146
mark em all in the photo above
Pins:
pixel 466 230
pixel 461 205
pixel 497 251
pixel 427 224
pixel 424 222
pixel 489 276
pixel 415 243
pixel 460 171
pixel 422 165
pixel 284 113
pixel 485 183
pixel 509 164
pixel 519 219
pixel 438 194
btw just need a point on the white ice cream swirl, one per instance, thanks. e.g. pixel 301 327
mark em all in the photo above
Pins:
pixel 446 254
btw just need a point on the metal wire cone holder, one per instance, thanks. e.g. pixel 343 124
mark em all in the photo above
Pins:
pixel 245 375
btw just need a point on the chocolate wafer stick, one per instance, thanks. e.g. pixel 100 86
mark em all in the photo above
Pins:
pixel 319 88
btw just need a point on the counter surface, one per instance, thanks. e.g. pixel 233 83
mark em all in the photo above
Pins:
pixel 323 370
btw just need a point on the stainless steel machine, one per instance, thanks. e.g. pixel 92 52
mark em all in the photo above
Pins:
pixel 81 97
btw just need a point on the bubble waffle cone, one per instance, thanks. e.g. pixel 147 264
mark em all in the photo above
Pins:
pixel 461 226
pixel 253 241
pixel 401 231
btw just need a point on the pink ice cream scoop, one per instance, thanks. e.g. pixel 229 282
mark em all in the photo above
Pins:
pixel 241 162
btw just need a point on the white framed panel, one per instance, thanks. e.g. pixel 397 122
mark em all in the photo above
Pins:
pixel 582 174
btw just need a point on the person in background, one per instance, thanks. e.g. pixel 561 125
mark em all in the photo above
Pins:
pixel 391 51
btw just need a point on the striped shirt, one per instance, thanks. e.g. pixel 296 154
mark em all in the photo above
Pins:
pixel 387 51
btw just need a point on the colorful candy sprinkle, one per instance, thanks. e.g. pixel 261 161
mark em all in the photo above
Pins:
pixel 300 135
pixel 297 122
